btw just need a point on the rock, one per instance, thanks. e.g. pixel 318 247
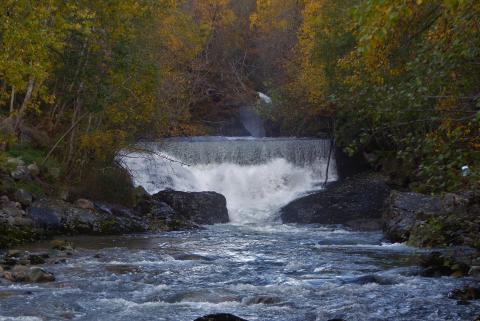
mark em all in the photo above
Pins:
pixel 85 204
pixel 474 271
pixel 197 207
pixel 12 216
pixel 465 294
pixel 57 217
pixel 7 185
pixel 23 197
pixel 62 245
pixel 402 210
pixel 261 299
pixel 22 273
pixel 14 257
pixel 191 257
pixel 21 172
pixel 38 275
pixel 161 216
pixel 436 264
pixel 220 317
pixel 15 162
pixel 202 296
pixel 36 259
pixel 433 221
pixel 356 202
pixel 33 169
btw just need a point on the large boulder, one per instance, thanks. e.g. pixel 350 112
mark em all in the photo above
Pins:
pixel 56 217
pixel 431 221
pixel 197 207
pixel 356 202
pixel 402 210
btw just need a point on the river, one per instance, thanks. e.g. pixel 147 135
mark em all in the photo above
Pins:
pixel 255 267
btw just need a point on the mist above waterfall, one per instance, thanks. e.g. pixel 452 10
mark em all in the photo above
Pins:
pixel 252 122
pixel 256 176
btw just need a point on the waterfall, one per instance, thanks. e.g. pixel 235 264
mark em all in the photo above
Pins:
pixel 257 176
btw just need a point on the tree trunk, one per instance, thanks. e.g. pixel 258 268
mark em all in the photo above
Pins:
pixel 26 100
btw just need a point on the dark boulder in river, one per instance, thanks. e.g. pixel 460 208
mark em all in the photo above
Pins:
pixel 197 207
pixel 220 317
pixel 355 202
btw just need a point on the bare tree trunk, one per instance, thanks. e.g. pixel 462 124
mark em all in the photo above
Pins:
pixel 332 147
pixel 73 133
pixel 26 100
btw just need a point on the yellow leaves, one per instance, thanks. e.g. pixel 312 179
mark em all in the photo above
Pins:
pixel 273 14
pixel 103 143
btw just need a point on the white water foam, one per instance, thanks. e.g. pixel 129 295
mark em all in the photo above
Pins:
pixel 254 190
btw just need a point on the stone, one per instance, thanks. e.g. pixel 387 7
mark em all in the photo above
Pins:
pixel 262 299
pixel 85 204
pixel 24 197
pixel 465 294
pixel 15 162
pixel 58 217
pixel 474 271
pixel 7 184
pixel 191 257
pixel 220 317
pixel 356 203
pixel 62 245
pixel 197 207
pixel 7 275
pixel 436 264
pixel 21 172
pixel 35 259
pixel 33 169
pixel 20 273
pixel 38 275
pixel 402 212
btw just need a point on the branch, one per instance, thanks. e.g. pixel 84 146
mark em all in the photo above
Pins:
pixel 63 137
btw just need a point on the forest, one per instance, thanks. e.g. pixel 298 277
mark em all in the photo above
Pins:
pixel 269 160
pixel 397 81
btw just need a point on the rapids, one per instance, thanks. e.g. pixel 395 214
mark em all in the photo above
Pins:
pixel 254 267
pixel 260 273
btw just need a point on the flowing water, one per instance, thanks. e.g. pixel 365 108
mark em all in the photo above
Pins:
pixel 256 175
pixel 254 267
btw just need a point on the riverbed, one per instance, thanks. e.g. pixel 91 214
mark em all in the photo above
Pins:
pixel 263 273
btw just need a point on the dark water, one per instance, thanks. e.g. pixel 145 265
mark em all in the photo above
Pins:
pixel 268 273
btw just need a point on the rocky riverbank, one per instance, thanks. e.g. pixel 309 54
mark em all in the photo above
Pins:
pixel 165 211
pixel 450 222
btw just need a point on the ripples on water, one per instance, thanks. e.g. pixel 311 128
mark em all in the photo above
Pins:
pixel 276 273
